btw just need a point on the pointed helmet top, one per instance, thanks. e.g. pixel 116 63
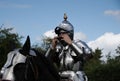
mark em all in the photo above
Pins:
pixel 65 16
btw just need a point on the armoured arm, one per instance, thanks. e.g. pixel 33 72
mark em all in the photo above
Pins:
pixel 49 53
pixel 53 54
pixel 82 50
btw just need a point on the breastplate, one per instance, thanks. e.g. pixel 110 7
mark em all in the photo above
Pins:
pixel 68 64
pixel 66 60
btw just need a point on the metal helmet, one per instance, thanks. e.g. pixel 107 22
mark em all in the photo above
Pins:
pixel 65 26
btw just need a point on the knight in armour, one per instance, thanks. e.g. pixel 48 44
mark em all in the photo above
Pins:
pixel 67 54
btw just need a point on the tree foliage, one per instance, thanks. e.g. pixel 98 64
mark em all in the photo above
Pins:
pixel 46 42
pixel 99 71
pixel 93 64
pixel 8 42
pixel 39 48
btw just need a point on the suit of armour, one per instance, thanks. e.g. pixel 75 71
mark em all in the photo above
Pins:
pixel 69 58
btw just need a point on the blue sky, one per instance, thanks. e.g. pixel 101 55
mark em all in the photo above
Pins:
pixel 91 18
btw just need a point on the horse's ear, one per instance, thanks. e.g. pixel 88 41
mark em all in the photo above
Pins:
pixel 26 47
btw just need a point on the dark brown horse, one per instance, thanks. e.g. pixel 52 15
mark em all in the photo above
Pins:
pixel 27 64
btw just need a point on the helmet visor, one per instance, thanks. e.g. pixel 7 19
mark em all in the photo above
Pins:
pixel 59 30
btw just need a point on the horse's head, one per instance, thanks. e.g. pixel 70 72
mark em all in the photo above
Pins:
pixel 27 64
pixel 17 62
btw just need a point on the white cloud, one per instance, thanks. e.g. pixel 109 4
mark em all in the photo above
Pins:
pixel 115 13
pixel 108 42
pixel 77 35
pixel 51 34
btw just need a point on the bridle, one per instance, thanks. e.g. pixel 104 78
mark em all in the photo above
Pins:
pixel 30 61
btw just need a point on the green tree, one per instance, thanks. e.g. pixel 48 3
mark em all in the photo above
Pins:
pixel 93 64
pixel 39 48
pixel 46 42
pixel 118 52
pixel 108 71
pixel 8 42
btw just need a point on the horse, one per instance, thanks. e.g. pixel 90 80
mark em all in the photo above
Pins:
pixel 27 64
